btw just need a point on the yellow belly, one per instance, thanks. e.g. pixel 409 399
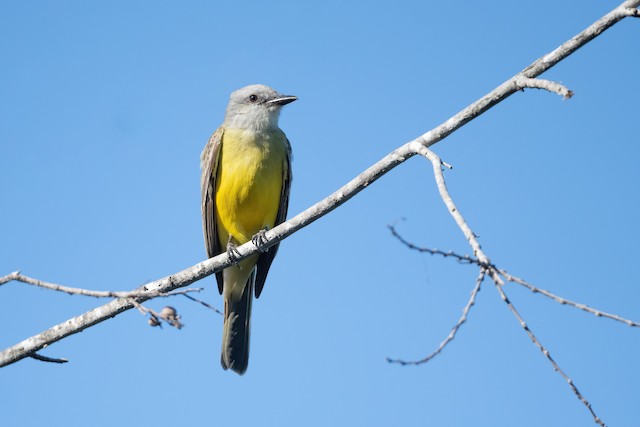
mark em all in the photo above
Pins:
pixel 248 183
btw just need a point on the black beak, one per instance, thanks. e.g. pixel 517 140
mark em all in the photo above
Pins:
pixel 282 100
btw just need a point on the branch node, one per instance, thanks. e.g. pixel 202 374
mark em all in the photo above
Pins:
pixel 633 12
pixel 9 277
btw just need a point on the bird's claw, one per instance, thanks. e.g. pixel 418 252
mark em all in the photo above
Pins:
pixel 260 240
pixel 233 253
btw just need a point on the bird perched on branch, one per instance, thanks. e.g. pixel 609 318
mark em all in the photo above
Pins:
pixel 246 178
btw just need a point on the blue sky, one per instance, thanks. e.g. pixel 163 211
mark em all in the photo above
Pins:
pixel 107 105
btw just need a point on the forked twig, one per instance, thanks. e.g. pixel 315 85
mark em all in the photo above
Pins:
pixel 483 262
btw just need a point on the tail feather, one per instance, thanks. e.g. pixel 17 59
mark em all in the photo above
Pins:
pixel 237 325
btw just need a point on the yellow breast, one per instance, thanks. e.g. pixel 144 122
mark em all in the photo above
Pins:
pixel 248 183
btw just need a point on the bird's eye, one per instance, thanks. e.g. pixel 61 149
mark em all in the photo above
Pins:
pixel 253 98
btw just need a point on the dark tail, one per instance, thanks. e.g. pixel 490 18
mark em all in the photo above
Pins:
pixel 237 325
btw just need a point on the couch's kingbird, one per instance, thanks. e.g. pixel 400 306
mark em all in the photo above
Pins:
pixel 246 177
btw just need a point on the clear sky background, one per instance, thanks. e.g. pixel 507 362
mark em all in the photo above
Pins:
pixel 106 107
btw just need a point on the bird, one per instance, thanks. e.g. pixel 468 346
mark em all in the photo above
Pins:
pixel 245 182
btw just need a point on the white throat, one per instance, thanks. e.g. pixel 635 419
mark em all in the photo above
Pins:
pixel 256 118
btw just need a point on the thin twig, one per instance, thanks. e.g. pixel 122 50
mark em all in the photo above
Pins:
pixel 209 306
pixel 454 330
pixel 565 301
pixel 47 359
pixel 462 259
pixel 17 276
pixel 544 351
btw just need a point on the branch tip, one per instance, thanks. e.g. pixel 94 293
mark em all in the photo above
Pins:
pixel 522 82
pixel 42 358
pixel 445 164
pixel 454 330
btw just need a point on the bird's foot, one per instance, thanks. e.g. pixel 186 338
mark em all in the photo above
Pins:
pixel 233 253
pixel 260 240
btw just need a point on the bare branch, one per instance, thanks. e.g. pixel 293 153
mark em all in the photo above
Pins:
pixel 454 330
pixel 544 350
pixel 275 235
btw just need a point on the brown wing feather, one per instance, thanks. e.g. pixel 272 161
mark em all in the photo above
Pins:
pixel 209 166
pixel 265 259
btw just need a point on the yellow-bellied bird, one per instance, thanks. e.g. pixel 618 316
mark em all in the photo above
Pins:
pixel 246 177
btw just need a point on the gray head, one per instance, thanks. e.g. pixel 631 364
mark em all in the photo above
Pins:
pixel 255 107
